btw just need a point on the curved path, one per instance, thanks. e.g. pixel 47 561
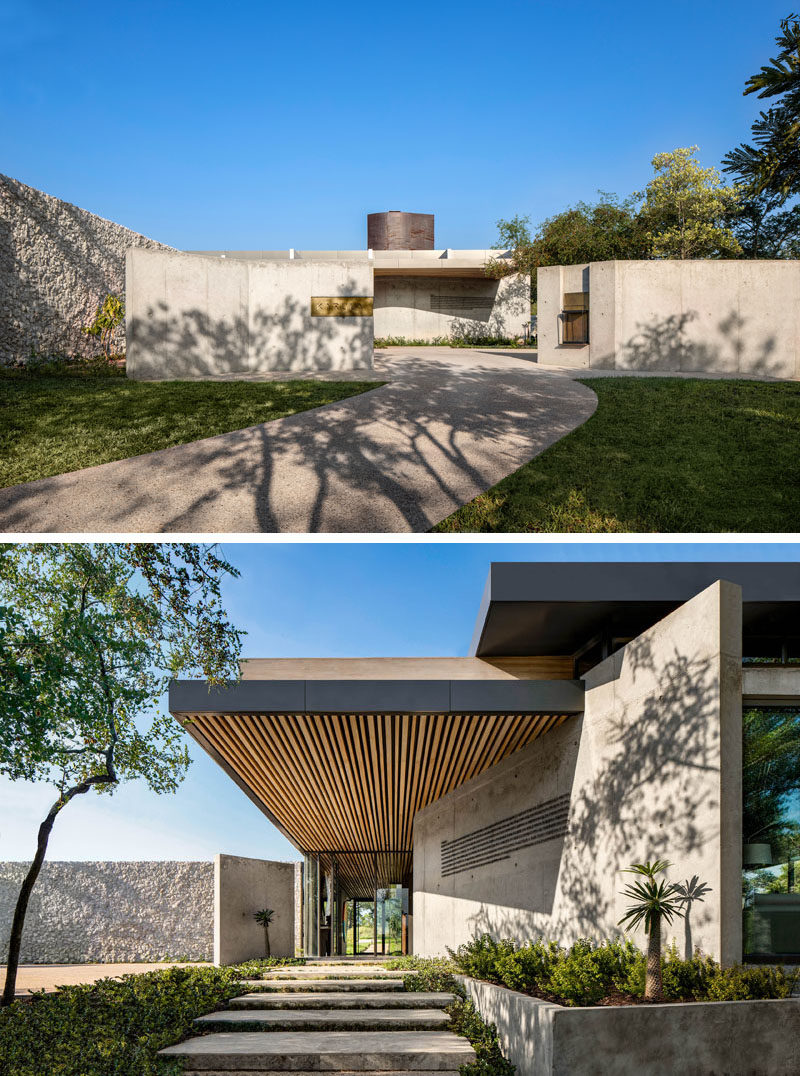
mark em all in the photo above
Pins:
pixel 450 424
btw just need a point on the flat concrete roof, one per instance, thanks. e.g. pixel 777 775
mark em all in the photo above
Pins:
pixel 555 607
pixel 403 668
pixel 443 262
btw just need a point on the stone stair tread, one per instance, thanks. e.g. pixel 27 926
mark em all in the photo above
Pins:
pixel 304 985
pixel 327 1019
pixel 398 999
pixel 341 972
pixel 332 1051
pixel 339 1072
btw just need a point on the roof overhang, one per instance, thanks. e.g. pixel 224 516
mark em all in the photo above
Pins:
pixel 344 765
pixel 554 608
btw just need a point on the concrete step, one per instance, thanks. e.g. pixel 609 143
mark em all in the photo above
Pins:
pixel 398 999
pixel 343 971
pixel 305 985
pixel 324 1020
pixel 331 1051
pixel 340 1072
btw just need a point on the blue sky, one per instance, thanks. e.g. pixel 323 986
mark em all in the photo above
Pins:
pixel 311 599
pixel 258 125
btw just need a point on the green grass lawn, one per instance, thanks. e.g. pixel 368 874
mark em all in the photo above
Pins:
pixel 660 454
pixel 49 425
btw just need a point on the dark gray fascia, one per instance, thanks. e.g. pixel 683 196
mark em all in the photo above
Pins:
pixel 525 601
pixel 378 696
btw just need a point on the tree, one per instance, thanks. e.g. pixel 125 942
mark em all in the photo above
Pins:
pixel 768 170
pixel 653 902
pixel 264 918
pixel 763 227
pixel 772 163
pixel 91 635
pixel 605 230
pixel 110 315
pixel 685 209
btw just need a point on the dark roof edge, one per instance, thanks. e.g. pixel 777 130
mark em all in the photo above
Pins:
pixel 188 697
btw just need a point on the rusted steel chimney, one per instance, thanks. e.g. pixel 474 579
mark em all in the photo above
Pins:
pixel 396 230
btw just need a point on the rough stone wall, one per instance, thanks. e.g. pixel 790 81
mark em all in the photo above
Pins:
pixel 109 911
pixel 57 264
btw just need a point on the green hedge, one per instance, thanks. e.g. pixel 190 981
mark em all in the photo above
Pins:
pixel 114 1027
pixel 586 974
pixel 433 973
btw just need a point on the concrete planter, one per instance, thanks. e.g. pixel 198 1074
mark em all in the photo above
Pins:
pixel 695 1039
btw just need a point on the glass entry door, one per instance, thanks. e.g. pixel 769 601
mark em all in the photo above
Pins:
pixel 352 906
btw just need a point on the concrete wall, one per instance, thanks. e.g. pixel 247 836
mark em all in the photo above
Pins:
pixel 683 316
pixel 189 315
pixel 243 886
pixel 651 769
pixel 112 911
pixel 695 1039
pixel 57 264
pixel 425 308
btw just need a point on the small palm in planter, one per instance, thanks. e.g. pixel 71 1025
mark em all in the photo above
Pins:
pixel 653 901
pixel 264 917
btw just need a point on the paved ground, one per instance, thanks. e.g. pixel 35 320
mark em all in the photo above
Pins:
pixel 49 976
pixel 450 424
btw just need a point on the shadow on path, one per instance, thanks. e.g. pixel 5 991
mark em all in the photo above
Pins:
pixel 399 458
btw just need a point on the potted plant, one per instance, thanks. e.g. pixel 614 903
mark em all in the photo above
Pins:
pixel 264 917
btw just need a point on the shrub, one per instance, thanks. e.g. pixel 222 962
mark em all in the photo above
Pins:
pixel 114 1027
pixel 585 973
pixel 426 973
pixel 528 966
pixel 480 956
pixel 577 978
pixel 466 1020
pixel 687 980
pixel 740 983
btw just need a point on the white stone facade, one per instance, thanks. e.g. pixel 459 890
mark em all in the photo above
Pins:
pixel 57 264
pixel 112 912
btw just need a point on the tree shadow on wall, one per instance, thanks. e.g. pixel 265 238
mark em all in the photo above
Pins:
pixel 666 344
pixel 644 798
pixel 192 343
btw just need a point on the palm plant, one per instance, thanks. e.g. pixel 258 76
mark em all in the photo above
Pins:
pixel 652 902
pixel 264 917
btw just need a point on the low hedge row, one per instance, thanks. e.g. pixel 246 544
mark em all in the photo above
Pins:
pixel 426 973
pixel 114 1027
pixel 587 974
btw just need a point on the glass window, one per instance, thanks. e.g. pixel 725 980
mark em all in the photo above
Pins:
pixel 771 833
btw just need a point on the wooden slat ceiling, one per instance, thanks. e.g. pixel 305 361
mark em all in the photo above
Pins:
pixel 353 783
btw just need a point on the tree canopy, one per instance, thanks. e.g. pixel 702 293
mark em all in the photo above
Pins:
pixel 685 209
pixel 771 162
pixel 90 636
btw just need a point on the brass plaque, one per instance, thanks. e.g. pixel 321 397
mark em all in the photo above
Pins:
pixel 341 306
pixel 576 300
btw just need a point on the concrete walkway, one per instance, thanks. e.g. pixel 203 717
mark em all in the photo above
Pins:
pixel 449 425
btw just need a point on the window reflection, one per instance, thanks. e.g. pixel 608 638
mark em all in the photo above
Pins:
pixel 771 833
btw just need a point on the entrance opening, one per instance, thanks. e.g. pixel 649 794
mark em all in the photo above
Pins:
pixel 357 904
